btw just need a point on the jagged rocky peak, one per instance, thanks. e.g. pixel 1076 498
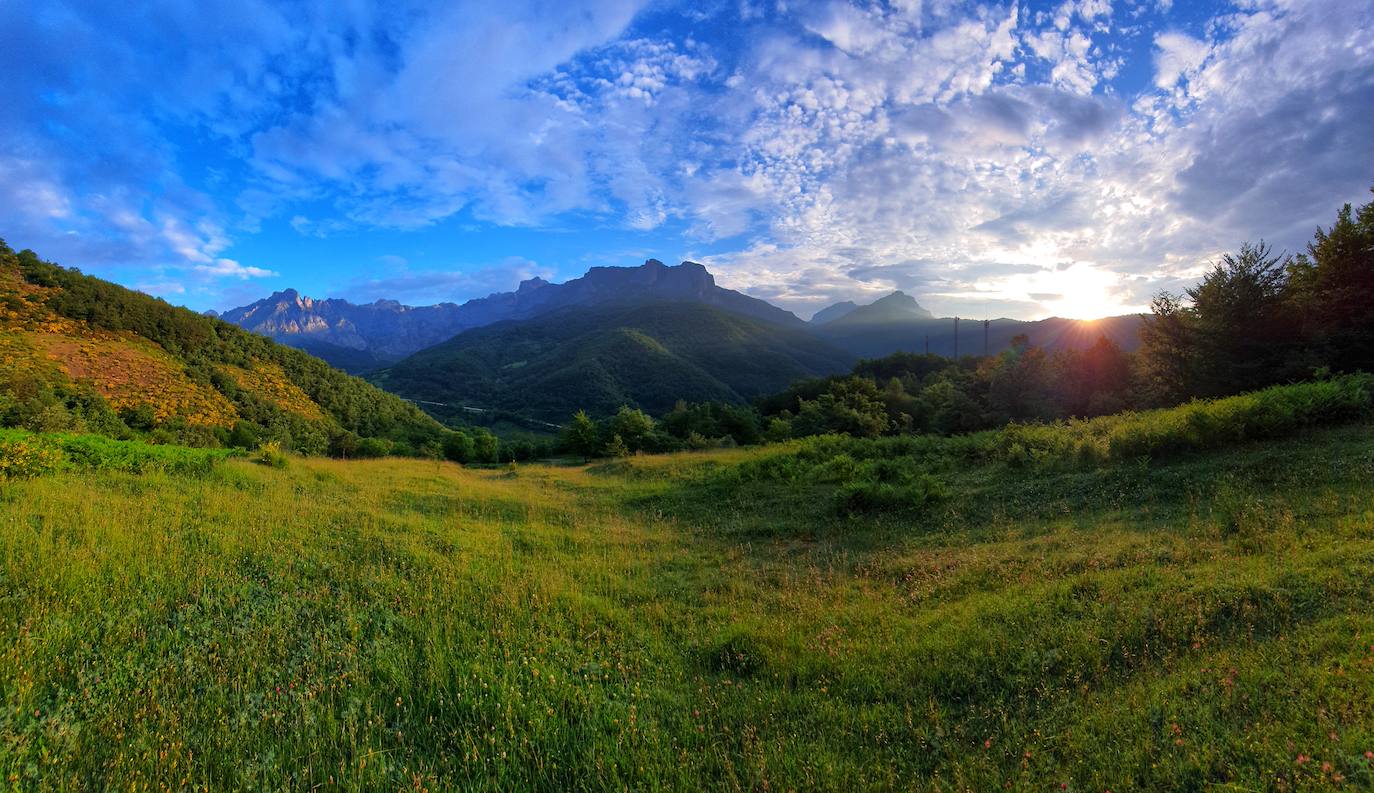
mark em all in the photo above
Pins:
pixel 288 296
pixel 688 279
pixel 698 270
pixel 389 330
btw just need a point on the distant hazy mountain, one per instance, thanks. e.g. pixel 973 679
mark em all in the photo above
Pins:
pixel 350 336
pixel 598 358
pixel 833 312
pixel 360 337
pixel 897 307
pixel 897 323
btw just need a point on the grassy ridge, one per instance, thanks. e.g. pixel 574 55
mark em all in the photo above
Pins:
pixel 1200 424
pixel 911 474
pixel 1189 624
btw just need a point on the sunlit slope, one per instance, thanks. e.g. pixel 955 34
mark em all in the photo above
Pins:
pixel 78 353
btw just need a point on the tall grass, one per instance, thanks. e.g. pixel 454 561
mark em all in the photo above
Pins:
pixel 1201 424
pixel 860 475
pixel 1198 623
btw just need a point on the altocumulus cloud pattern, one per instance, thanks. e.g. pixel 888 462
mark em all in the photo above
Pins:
pixel 981 155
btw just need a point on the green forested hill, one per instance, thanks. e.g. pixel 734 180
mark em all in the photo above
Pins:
pixel 84 354
pixel 648 356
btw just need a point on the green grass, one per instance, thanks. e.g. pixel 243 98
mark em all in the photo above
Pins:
pixel 698 621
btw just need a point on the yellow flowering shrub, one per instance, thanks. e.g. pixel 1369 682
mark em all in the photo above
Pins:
pixel 267 381
pixel 129 371
pixel 23 457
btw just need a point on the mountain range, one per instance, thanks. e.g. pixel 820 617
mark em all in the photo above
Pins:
pixel 648 355
pixel 358 338
pixel 897 323
pixel 644 336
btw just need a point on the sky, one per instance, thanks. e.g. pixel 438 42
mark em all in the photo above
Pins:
pixel 1004 159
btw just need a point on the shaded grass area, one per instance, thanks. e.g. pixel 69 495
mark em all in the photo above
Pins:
pixel 666 623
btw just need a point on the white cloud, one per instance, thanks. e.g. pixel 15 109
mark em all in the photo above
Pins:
pixel 1178 56
pixel 841 150
pixel 229 268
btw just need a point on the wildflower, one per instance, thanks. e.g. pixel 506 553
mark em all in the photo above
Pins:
pixel 1302 759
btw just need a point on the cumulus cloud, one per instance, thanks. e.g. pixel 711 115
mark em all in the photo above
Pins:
pixel 1177 55
pixel 822 150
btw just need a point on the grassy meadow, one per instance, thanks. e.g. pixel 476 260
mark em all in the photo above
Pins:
pixel 733 619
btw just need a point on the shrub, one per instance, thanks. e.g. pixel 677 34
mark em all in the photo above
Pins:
pixel 458 447
pixel 374 447
pixel 99 453
pixel 26 456
pixel 874 495
pixel 270 454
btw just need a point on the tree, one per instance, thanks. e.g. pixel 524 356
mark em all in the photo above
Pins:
pixel 851 405
pixel 1019 381
pixel 580 436
pixel 952 409
pixel 633 426
pixel 486 448
pixel 1245 333
pixel 1167 358
pixel 458 447
pixel 1343 289
pixel 1094 382
pixel 616 447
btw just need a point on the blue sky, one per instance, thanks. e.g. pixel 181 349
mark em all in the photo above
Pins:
pixel 1021 159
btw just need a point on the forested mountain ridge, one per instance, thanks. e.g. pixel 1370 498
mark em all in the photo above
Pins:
pixel 80 353
pixel 880 333
pixel 361 337
pixel 647 355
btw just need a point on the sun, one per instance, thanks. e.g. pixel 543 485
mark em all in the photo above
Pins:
pixel 1080 292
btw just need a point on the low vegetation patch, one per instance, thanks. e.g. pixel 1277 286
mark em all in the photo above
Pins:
pixel 1201 424
pixel 26 454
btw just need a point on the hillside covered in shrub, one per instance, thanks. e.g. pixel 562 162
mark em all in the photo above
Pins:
pixel 81 354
